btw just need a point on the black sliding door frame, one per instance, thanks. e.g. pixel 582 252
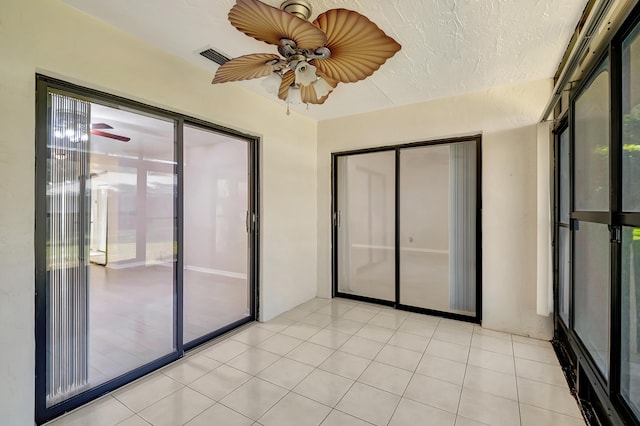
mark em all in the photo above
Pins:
pixel 46 85
pixel 600 396
pixel 477 139
pixel 558 224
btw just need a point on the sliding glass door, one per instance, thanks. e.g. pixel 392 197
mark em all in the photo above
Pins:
pixel 437 194
pixel 590 218
pixel 366 225
pixel 217 289
pixel 630 218
pixel 405 226
pixel 145 240
pixel 597 218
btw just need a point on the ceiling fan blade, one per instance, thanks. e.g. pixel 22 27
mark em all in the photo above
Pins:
pixel 287 80
pixel 309 96
pixel 268 24
pixel 100 126
pixel 358 47
pixel 110 136
pixel 246 67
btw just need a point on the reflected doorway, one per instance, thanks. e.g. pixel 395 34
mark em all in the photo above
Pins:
pixel 99 209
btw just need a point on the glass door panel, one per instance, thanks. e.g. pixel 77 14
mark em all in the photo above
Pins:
pixel 110 270
pixel 564 175
pixel 631 122
pixel 591 249
pixel 592 290
pixel 630 345
pixel 564 233
pixel 564 273
pixel 366 225
pixel 132 321
pixel 438 227
pixel 216 242
pixel 591 149
pixel 630 248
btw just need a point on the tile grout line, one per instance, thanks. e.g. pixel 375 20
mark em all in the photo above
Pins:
pixel 255 376
pixel 299 321
pixel 371 362
pixel 318 368
pixel 515 373
pixel 393 413
pixel 354 380
pixel 290 391
pixel 464 376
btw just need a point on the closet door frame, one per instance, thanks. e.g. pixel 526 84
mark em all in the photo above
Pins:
pixel 477 139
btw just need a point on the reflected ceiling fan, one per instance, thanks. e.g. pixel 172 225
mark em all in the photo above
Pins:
pixel 339 46
pixel 72 124
pixel 97 129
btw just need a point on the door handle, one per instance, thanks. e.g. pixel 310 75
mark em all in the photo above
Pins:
pixel 574 225
pixel 616 234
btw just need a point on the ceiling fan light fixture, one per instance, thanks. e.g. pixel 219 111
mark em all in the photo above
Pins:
pixel 322 88
pixel 305 73
pixel 301 8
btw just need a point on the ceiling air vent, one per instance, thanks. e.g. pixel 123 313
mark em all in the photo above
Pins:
pixel 214 56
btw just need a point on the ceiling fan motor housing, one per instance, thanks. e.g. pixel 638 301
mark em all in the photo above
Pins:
pixel 300 8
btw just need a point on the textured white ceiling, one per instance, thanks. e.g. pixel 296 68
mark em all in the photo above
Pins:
pixel 449 47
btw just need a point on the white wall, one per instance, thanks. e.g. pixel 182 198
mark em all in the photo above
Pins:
pixel 48 37
pixel 507 118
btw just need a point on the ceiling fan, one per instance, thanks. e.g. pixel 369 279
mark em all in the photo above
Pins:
pixel 97 129
pixel 339 46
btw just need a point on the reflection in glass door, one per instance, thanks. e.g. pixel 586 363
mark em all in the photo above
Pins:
pixel 405 222
pixel 216 231
pixel 366 225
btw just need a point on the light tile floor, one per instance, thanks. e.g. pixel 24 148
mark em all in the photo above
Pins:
pixel 339 363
